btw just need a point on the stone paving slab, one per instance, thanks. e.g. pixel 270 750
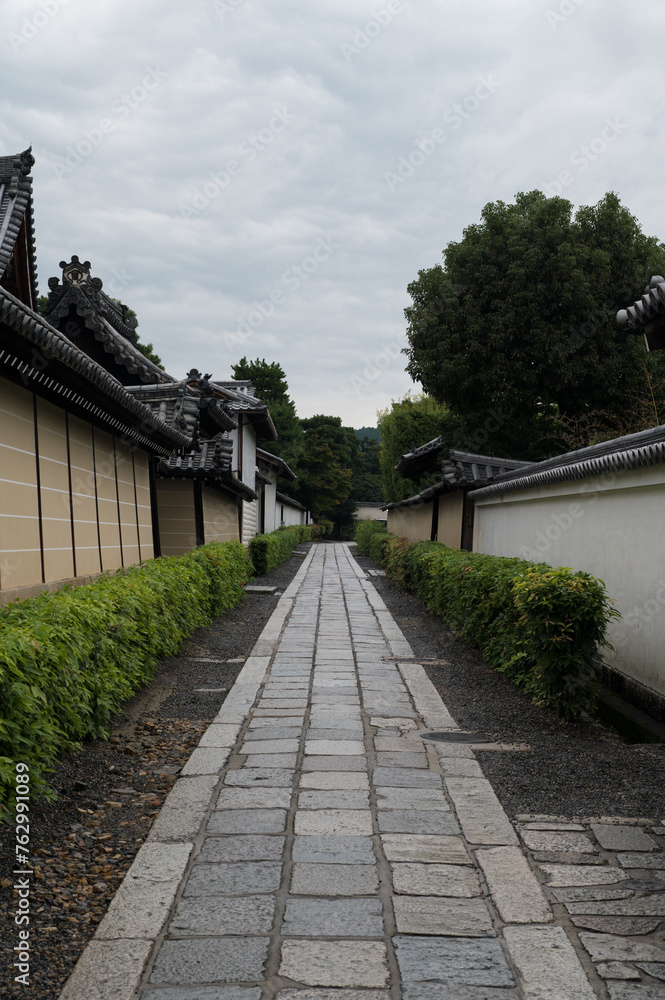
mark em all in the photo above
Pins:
pixel 222 960
pixel 213 915
pixel 316 847
pixel 514 888
pixel 547 964
pixel 454 961
pixel 335 963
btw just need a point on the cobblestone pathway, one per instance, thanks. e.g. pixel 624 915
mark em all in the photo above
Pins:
pixel 317 847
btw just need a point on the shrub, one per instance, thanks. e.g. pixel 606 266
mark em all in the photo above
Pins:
pixel 372 537
pixel 539 626
pixel 268 551
pixel 69 659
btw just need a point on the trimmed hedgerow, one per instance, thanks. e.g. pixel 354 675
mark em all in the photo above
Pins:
pixel 539 626
pixel 268 551
pixel 69 659
pixel 372 537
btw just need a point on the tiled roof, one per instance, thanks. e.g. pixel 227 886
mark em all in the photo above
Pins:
pixel 211 456
pixel 650 305
pixel 210 461
pixel 461 470
pixel 33 349
pixel 106 319
pixel 282 497
pixel 243 400
pixel 419 458
pixel 633 451
pixel 278 464
pixel 15 206
pixel 183 405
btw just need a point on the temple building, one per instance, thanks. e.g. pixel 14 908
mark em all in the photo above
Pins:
pixel 109 460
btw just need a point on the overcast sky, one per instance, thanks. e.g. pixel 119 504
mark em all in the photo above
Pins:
pixel 265 179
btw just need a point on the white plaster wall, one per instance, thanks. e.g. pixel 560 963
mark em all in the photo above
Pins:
pixel 292 515
pixel 250 526
pixel 270 500
pixel 611 526
pixel 249 455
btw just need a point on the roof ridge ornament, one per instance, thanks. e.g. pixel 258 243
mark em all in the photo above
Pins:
pixel 21 165
pixel 77 273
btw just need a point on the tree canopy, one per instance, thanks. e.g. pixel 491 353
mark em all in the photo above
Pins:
pixel 269 380
pixel 410 422
pixel 517 330
pixel 324 469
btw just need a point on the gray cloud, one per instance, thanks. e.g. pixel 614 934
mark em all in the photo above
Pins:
pixel 201 157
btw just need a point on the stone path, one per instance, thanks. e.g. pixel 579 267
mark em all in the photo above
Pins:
pixel 317 847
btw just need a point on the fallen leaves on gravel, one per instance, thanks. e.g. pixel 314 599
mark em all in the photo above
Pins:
pixel 83 844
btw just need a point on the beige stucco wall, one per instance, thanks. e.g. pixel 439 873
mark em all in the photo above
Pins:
pixel 20 552
pixel 54 491
pixel 143 505
pixel 414 523
pixel 220 517
pixel 175 512
pixel 610 526
pixel 451 508
pixel 84 505
pixel 107 501
pixel 88 489
pixel 369 514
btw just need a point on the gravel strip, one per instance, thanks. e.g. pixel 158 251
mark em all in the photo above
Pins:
pixel 108 794
pixel 572 768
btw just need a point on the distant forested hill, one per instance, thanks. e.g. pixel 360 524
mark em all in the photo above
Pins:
pixel 373 433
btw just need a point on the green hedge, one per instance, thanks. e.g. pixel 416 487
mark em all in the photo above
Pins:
pixel 541 627
pixel 69 659
pixel 372 537
pixel 268 551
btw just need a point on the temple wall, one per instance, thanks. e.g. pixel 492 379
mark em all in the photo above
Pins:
pixel 451 509
pixel 250 526
pixel 74 500
pixel 220 517
pixel 175 511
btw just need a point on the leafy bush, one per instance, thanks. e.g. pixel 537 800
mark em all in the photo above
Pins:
pixel 69 659
pixel 268 551
pixel 372 537
pixel 539 626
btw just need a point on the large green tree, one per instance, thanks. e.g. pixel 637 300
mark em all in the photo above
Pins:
pixel 408 423
pixel 517 330
pixel 367 483
pixel 325 470
pixel 269 380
